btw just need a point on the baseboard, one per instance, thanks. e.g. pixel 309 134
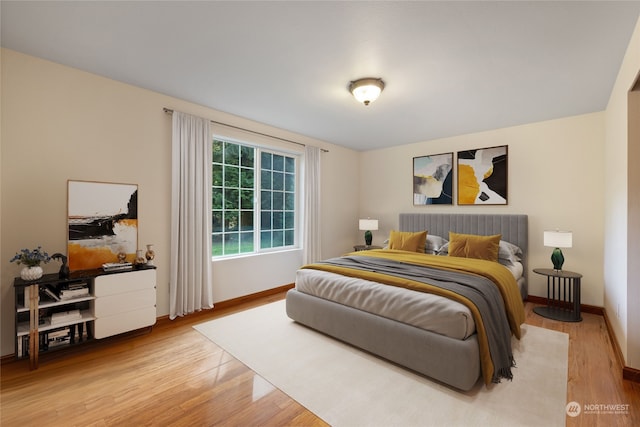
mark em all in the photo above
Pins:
pixel 227 304
pixel 630 374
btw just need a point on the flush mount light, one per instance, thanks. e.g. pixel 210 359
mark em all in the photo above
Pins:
pixel 366 90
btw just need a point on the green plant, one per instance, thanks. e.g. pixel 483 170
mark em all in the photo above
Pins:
pixel 31 258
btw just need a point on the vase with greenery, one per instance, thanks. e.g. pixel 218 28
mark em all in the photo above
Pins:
pixel 31 258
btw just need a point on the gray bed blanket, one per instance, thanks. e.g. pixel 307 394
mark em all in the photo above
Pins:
pixel 481 291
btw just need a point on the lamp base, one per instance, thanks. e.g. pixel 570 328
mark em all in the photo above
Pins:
pixel 557 259
pixel 368 237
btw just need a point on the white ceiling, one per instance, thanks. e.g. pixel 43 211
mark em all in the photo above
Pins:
pixel 450 68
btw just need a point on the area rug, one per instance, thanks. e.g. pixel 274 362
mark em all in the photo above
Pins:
pixel 348 387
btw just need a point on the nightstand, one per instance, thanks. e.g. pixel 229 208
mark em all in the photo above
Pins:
pixel 563 295
pixel 365 247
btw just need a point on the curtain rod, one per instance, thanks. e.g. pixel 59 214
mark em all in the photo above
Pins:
pixel 170 111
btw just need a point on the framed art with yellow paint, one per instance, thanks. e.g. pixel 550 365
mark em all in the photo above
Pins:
pixel 483 176
pixel 102 223
pixel 432 179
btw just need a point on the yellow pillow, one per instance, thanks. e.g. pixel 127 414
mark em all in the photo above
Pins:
pixel 473 246
pixel 407 241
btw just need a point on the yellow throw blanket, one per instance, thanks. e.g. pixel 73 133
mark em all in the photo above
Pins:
pixel 493 271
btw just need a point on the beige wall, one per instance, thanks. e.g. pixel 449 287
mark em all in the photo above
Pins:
pixel 59 123
pixel 556 176
pixel 622 288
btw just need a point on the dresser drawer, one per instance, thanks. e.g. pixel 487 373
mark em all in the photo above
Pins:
pixel 122 303
pixel 124 322
pixel 112 284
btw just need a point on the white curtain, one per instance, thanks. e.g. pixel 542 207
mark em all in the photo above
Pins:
pixel 312 243
pixel 190 271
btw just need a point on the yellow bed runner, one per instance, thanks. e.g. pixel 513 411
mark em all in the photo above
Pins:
pixel 493 271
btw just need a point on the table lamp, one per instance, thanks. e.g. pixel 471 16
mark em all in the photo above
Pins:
pixel 557 240
pixel 368 225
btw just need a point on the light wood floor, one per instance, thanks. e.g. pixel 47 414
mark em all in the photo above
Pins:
pixel 174 376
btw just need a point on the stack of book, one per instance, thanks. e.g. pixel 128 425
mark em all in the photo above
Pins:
pixel 74 290
pixel 58 337
pixel 65 316
pixel 117 266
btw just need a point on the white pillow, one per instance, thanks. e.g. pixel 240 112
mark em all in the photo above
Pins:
pixel 434 243
pixel 509 252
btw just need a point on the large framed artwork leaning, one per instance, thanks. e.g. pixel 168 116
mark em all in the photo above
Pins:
pixel 102 223
pixel 432 179
pixel 483 176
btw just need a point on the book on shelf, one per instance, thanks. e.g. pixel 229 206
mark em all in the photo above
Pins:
pixel 65 316
pixel 117 266
pixel 57 333
pixel 50 293
pixel 74 293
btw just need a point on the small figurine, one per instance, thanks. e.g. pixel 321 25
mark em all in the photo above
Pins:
pixel 64 268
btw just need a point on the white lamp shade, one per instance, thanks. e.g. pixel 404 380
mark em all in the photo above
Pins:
pixel 368 224
pixel 366 90
pixel 366 94
pixel 558 239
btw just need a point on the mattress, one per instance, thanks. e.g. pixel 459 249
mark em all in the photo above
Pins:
pixel 422 310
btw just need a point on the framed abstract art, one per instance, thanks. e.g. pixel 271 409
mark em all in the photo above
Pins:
pixel 102 223
pixel 483 176
pixel 432 179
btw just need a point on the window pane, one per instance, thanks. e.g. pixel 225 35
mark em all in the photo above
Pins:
pixel 265 200
pixel 216 245
pixel 246 242
pixel 217 151
pixel 216 198
pixel 246 199
pixel 247 156
pixel 231 198
pixel 216 221
pixel 265 177
pixel 278 220
pixel 289 220
pixel 289 201
pixel 277 239
pixel 290 165
pixel 265 220
pixel 278 163
pixel 289 237
pixel 246 220
pixel 289 182
pixel 231 176
pixel 231 244
pixel 265 239
pixel 216 175
pixel 231 153
pixel 278 200
pixel 231 221
pixel 278 181
pixel 246 178
pixel 266 160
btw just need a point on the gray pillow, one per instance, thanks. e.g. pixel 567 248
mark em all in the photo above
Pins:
pixel 434 243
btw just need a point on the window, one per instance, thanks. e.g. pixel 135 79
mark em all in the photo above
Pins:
pixel 254 199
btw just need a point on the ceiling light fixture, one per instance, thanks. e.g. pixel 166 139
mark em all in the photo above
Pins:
pixel 366 90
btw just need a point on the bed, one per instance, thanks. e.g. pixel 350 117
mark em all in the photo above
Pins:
pixel 452 352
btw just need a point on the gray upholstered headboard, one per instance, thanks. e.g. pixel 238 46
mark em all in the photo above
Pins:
pixel 514 228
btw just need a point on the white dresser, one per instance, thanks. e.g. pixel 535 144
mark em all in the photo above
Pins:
pixel 124 302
